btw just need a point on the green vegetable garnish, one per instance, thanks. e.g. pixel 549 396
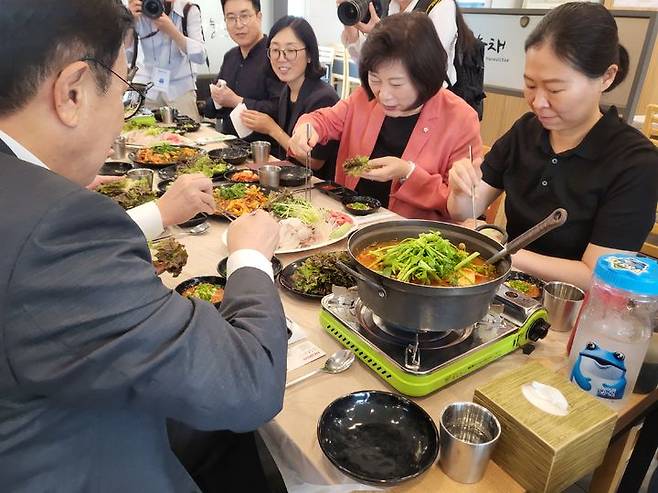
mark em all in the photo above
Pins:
pixel 288 206
pixel 204 165
pixel 428 259
pixel 231 192
pixel 138 122
pixel 128 193
pixel 519 285
pixel 357 165
pixel 358 206
pixel 318 273
pixel 205 291
pixel 163 148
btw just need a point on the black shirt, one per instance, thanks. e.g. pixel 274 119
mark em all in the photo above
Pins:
pixel 392 141
pixel 252 78
pixel 608 184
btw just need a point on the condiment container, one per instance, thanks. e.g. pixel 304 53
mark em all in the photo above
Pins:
pixel 546 452
pixel 614 327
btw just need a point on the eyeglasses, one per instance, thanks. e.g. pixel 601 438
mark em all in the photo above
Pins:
pixel 289 54
pixel 243 18
pixel 133 96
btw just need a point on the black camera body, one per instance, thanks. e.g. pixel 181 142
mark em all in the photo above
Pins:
pixel 153 8
pixel 352 12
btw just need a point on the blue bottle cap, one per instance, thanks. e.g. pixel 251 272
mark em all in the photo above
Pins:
pixel 626 271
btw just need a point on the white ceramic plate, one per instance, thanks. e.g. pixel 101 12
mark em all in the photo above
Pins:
pixel 328 242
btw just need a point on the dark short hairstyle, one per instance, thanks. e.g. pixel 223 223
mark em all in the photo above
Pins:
pixel 47 35
pixel 585 36
pixel 410 38
pixel 255 3
pixel 304 32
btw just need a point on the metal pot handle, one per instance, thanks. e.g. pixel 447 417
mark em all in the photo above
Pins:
pixel 556 218
pixel 502 231
pixel 348 270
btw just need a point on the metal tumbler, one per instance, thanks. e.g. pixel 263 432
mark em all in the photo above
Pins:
pixel 268 175
pixel 260 151
pixel 562 302
pixel 142 174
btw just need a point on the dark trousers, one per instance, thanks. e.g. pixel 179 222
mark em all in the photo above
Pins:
pixel 223 461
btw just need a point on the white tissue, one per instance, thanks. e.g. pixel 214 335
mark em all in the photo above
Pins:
pixel 220 83
pixel 547 398
pixel 240 128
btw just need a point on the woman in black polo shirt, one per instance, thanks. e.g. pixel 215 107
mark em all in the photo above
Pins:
pixel 568 153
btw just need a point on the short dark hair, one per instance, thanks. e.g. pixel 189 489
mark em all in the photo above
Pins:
pixel 255 3
pixel 304 32
pixel 585 36
pixel 410 38
pixel 49 34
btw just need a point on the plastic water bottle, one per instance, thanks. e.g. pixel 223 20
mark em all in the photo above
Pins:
pixel 614 327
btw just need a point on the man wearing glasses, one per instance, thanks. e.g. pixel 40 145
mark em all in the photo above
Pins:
pixel 97 356
pixel 245 76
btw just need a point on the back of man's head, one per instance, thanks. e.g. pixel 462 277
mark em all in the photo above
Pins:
pixel 40 37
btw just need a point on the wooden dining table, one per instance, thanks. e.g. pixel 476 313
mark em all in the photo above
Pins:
pixel 292 437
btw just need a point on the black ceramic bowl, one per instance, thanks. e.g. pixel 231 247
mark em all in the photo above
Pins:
pixel 200 218
pixel 277 267
pixel 293 176
pixel 115 168
pixel 163 185
pixel 516 275
pixel 218 281
pixel 232 155
pixel 373 205
pixel 378 437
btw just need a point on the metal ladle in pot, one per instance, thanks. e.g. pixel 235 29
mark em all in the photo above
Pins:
pixel 556 218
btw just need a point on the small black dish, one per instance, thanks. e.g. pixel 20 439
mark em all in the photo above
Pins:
pixel 293 176
pixel 334 190
pixel 200 218
pixel 163 186
pixel 239 143
pixel 372 203
pixel 230 174
pixel 516 275
pixel 168 173
pixel 378 437
pixel 219 281
pixel 115 168
pixel 285 281
pixel 276 267
pixel 232 155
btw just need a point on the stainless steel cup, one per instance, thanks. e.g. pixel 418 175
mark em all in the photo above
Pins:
pixel 142 174
pixel 167 114
pixel 268 175
pixel 562 302
pixel 260 151
pixel 119 149
pixel 468 436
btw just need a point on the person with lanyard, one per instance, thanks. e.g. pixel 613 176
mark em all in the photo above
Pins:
pixel 401 118
pixel 568 152
pixel 168 55
pixel 443 14
pixel 293 52
pixel 245 75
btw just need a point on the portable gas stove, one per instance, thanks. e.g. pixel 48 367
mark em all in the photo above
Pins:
pixel 418 363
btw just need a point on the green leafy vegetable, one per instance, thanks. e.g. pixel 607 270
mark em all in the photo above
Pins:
pixel 205 291
pixel 205 165
pixel 519 285
pixel 139 122
pixel 231 192
pixel 357 165
pixel 287 206
pixel 163 148
pixel 358 206
pixel 427 259
pixel 168 256
pixel 318 273
pixel 128 193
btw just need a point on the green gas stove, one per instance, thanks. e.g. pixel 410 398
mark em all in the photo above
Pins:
pixel 417 363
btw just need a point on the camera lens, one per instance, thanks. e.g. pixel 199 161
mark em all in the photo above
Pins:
pixel 152 8
pixel 352 11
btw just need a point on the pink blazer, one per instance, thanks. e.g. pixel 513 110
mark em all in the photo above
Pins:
pixel 445 128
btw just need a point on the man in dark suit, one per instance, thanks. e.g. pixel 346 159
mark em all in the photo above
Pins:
pixel 96 354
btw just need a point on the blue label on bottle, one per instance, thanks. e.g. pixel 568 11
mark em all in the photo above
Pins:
pixel 600 372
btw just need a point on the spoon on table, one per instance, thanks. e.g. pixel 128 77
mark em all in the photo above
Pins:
pixel 336 363
pixel 199 229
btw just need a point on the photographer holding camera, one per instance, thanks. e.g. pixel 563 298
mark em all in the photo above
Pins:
pixel 170 37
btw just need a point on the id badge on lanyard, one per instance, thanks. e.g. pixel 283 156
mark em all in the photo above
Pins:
pixel 161 79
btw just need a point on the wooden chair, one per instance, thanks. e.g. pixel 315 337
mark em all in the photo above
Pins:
pixel 650 127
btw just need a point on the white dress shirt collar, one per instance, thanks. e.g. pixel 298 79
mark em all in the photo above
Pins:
pixel 20 151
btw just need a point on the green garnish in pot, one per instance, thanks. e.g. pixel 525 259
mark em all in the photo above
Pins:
pixel 231 192
pixel 205 291
pixel 427 259
pixel 519 285
pixel 358 206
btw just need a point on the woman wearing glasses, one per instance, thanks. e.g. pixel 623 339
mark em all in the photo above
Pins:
pixel 293 52
pixel 411 129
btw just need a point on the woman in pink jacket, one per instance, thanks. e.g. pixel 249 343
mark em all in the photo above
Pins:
pixel 411 128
